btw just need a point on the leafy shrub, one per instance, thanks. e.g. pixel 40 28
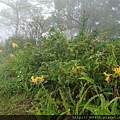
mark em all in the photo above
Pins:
pixel 72 71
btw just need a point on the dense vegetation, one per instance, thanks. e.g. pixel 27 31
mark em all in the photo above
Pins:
pixel 62 58
pixel 60 76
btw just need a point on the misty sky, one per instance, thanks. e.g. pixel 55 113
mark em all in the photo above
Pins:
pixel 2 6
pixel 2 34
pixel 97 15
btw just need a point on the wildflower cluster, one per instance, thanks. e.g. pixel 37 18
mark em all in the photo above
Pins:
pixel 37 79
pixel 14 45
pixel 114 75
pixel 117 71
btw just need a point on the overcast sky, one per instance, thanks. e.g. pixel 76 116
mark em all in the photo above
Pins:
pixel 2 6
pixel 2 35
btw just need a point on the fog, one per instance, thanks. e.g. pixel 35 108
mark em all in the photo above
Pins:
pixel 22 17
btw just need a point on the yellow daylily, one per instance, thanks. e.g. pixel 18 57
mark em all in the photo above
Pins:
pixel 107 77
pixel 41 78
pixel 0 51
pixel 117 71
pixel 14 45
pixel 33 80
pixel 37 79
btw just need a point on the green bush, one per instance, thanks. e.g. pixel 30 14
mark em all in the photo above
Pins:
pixel 72 72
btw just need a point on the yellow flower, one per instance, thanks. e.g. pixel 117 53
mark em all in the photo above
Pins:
pixel 14 45
pixel 117 71
pixel 74 69
pixel 41 78
pixel 37 79
pixel 33 80
pixel 0 50
pixel 107 77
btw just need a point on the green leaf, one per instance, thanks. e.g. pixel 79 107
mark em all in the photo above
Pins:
pixel 90 80
pixel 66 105
pixel 82 96
pixel 70 95
pixel 114 106
pixel 86 105
pixel 94 109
